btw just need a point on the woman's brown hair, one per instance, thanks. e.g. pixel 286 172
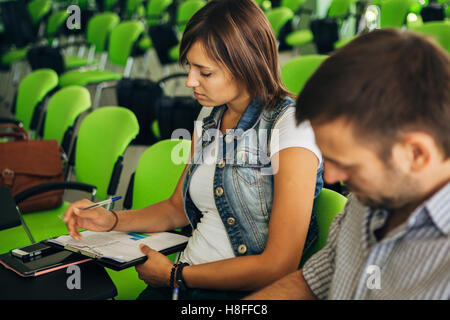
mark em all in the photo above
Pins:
pixel 237 35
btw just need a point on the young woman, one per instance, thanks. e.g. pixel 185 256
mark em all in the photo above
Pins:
pixel 248 190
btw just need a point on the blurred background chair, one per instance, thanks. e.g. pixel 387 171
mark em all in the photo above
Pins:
pixel 326 206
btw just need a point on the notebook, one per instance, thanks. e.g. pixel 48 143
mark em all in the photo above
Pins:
pixel 120 250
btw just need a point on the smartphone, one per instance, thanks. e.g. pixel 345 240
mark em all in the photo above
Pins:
pixel 32 251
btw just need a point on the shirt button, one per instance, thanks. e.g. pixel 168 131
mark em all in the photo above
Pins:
pixel 219 191
pixel 231 221
pixel 228 138
pixel 221 164
pixel 242 249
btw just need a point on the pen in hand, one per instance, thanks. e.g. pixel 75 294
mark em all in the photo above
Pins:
pixel 98 204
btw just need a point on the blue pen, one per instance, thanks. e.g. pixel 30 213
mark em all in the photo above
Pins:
pixel 98 204
pixel 175 293
pixel 102 203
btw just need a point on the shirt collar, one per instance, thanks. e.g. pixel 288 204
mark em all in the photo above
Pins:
pixel 438 208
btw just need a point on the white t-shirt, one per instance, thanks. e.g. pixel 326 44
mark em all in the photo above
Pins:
pixel 209 241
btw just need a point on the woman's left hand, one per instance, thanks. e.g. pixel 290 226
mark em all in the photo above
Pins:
pixel 156 270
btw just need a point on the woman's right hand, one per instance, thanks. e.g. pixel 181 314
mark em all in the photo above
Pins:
pixel 95 219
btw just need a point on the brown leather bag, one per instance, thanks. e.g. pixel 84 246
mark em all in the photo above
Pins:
pixel 26 163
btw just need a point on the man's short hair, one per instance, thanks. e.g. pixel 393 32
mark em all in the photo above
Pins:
pixel 384 83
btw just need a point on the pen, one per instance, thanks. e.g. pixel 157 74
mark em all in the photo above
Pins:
pixel 102 203
pixel 175 294
pixel 97 204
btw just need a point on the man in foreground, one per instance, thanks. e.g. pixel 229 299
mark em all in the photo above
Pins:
pixel 380 110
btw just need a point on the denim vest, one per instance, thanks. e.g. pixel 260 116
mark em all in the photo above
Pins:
pixel 243 179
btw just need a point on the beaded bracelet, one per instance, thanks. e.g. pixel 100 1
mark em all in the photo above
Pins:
pixel 115 223
pixel 172 276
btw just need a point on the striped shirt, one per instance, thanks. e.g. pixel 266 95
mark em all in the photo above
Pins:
pixel 410 262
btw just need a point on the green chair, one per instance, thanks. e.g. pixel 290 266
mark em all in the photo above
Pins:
pixel 32 91
pixel 184 12
pixel 156 176
pixel 294 5
pixel 98 162
pixel 338 9
pixel 326 206
pixel 393 13
pixel 438 30
pixel 295 72
pixel 63 109
pixel 98 29
pixel 278 17
pixel 121 44
pixel 156 10
pixel 157 173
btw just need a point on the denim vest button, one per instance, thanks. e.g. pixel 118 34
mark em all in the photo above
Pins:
pixel 219 191
pixel 231 221
pixel 221 164
pixel 242 249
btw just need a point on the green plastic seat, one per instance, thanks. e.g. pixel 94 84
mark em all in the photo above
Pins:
pixel 103 137
pixel 32 90
pixel 338 9
pixel 98 30
pixel 278 17
pixel 156 176
pixel 186 10
pixel 121 42
pixel 156 11
pixel 63 108
pixel 294 5
pixel 393 13
pixel 438 30
pixel 326 206
pixel 54 23
pixel 98 147
pixel 38 9
pixel 295 72
pixel 158 171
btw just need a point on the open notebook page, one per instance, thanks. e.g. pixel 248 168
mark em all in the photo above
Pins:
pixel 119 246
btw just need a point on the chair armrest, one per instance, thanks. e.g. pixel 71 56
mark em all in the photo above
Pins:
pixel 65 185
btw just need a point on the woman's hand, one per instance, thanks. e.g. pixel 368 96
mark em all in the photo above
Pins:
pixel 156 270
pixel 95 219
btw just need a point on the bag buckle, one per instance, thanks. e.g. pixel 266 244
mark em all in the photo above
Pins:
pixel 8 177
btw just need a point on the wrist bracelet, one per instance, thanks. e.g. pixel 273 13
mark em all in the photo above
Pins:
pixel 115 223
pixel 172 276
pixel 179 276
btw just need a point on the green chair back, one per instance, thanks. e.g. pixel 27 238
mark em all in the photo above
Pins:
pixel 326 206
pixel 438 30
pixel 294 5
pixel 54 23
pixel 278 17
pixel 158 171
pixel 32 90
pixel 122 40
pixel 63 109
pixel 156 10
pixel 99 28
pixel 295 72
pixel 339 8
pixel 103 136
pixel 393 13
pixel 186 10
pixel 38 9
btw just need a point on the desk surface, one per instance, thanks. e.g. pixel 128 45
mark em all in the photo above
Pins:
pixel 95 285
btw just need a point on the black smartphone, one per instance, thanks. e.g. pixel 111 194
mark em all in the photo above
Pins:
pixel 32 251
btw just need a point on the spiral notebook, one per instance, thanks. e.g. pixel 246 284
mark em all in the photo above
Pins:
pixel 120 250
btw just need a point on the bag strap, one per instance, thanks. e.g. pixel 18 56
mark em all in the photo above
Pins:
pixel 18 132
